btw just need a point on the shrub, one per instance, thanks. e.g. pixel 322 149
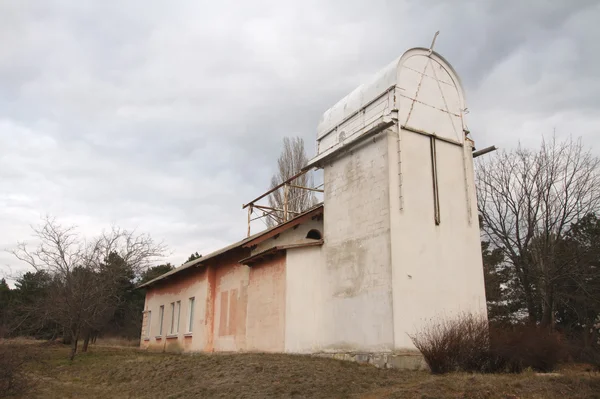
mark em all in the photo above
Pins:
pixel 515 348
pixel 12 381
pixel 455 344
pixel 468 343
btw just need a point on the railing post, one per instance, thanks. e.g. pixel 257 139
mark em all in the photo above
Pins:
pixel 249 218
pixel 286 190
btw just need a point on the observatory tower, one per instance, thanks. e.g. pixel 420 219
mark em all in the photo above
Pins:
pixel 401 231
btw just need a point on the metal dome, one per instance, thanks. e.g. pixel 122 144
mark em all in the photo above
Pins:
pixel 419 91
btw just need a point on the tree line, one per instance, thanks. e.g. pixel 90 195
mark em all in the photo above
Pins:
pixel 539 215
pixel 80 288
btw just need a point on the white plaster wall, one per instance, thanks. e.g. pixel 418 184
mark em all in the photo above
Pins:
pixel 357 287
pixel 291 236
pixel 304 300
pixel 180 291
pixel 437 269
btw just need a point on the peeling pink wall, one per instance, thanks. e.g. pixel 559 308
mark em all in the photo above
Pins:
pixel 266 306
pixel 242 308
pixel 230 302
pixel 176 288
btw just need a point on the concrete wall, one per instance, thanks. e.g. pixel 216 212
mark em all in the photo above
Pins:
pixel 179 289
pixel 304 300
pixel 437 269
pixel 379 223
pixel 266 306
pixel 357 286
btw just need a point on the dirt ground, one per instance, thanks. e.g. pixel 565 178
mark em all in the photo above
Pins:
pixel 112 372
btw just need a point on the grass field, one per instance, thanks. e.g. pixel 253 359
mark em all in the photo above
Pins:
pixel 125 372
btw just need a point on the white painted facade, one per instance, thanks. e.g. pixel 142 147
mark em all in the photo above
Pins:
pixel 304 300
pixel 357 273
pixel 401 230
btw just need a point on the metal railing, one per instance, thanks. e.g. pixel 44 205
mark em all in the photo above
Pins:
pixel 278 215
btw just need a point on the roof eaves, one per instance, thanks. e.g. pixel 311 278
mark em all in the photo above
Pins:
pixel 200 261
pixel 265 235
pixel 258 256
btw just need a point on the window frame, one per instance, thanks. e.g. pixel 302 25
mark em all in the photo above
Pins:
pixel 191 303
pixel 161 316
pixel 178 307
pixel 172 326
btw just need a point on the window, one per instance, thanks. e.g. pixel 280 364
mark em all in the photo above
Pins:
pixel 148 323
pixel 191 315
pixel 175 313
pixel 314 234
pixel 161 314
pixel 172 317
pixel 178 307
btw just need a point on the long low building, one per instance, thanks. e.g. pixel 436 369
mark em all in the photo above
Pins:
pixel 253 295
pixel 394 244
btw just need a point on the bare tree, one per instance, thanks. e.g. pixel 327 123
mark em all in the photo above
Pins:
pixel 86 275
pixel 528 200
pixel 291 161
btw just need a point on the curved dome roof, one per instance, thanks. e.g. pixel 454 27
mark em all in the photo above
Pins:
pixel 423 80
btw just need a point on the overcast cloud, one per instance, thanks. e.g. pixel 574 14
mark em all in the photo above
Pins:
pixel 167 116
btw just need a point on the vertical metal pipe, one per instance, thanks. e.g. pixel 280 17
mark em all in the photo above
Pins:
pixel 436 197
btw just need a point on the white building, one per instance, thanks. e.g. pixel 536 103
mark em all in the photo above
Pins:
pixel 394 244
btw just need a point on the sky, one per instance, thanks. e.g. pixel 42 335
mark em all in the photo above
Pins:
pixel 165 117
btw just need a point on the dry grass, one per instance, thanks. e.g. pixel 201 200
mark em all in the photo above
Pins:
pixel 129 373
pixel 117 341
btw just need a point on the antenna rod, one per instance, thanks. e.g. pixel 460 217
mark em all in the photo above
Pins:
pixel 433 41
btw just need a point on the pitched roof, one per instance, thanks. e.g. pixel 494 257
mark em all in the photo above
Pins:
pixel 269 233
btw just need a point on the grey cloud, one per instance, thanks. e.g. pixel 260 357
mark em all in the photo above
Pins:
pixel 169 117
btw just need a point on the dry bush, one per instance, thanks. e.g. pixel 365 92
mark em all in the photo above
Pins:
pixel 591 356
pixel 12 380
pixel 515 348
pixel 454 344
pixel 578 350
pixel 467 343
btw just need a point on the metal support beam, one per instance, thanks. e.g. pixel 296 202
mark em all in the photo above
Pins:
pixel 275 188
pixel 484 151
pixel 307 188
pixel 268 208
pixel 424 133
